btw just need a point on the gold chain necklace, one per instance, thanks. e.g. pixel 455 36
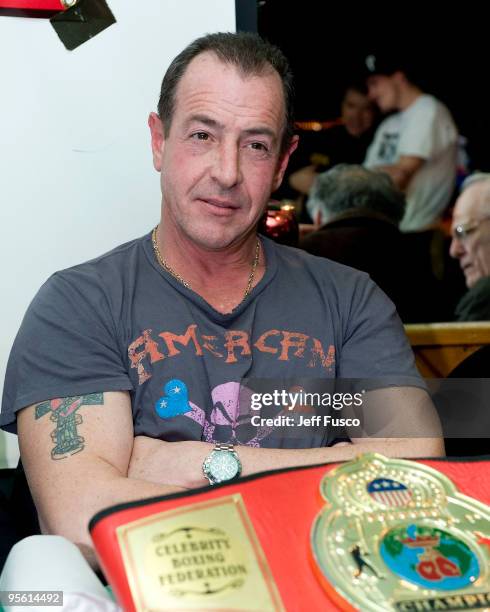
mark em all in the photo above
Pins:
pixel 176 275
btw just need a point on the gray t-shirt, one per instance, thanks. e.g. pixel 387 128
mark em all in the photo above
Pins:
pixel 121 322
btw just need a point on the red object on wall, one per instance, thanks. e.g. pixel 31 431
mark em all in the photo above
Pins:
pixel 35 5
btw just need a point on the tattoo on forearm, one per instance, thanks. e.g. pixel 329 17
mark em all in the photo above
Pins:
pixel 63 411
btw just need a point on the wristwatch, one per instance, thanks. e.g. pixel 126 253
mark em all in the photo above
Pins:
pixel 222 464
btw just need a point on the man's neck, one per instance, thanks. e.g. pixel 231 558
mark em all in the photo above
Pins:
pixel 219 276
pixel 408 95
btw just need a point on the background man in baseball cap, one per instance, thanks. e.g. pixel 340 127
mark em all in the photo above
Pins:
pixel 416 145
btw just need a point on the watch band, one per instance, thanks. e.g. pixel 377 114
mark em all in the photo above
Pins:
pixel 224 447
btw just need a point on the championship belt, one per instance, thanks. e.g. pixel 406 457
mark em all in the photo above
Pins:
pixel 385 534
pixel 396 535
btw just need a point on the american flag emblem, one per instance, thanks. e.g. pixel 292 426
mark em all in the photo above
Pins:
pixel 389 492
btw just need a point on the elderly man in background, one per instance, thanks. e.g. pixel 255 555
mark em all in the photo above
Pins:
pixel 471 246
pixel 358 212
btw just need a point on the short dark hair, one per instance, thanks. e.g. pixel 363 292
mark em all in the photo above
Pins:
pixel 346 187
pixel 388 62
pixel 249 53
pixel 359 86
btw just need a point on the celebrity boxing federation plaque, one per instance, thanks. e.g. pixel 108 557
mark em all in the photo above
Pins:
pixel 203 556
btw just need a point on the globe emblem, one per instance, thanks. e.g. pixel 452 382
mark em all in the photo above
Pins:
pixel 429 557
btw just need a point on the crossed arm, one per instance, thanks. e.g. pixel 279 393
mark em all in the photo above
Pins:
pixel 403 171
pixel 76 460
pixel 80 456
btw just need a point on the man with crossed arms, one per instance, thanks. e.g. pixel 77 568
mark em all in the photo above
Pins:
pixel 124 379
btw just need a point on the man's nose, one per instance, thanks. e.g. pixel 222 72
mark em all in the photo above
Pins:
pixel 226 167
pixel 456 248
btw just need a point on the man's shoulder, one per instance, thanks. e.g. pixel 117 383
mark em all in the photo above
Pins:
pixel 318 267
pixel 107 275
pixel 117 259
pixel 430 105
pixel 390 120
pixel 427 101
pixel 351 225
pixel 389 123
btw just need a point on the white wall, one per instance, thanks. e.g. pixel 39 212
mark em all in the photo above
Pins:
pixel 75 168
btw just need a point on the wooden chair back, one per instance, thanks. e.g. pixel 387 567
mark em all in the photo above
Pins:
pixel 440 347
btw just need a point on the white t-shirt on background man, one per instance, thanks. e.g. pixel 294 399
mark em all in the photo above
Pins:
pixel 426 130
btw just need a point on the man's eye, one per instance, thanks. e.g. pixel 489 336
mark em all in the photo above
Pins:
pixel 259 146
pixel 200 136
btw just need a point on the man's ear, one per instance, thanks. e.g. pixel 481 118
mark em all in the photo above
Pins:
pixel 283 162
pixel 157 139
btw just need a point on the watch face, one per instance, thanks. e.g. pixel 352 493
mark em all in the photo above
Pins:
pixel 223 466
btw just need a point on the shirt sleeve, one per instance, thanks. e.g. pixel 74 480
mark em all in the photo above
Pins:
pixel 419 137
pixel 375 346
pixel 67 345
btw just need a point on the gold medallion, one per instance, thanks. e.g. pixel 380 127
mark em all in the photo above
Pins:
pixel 203 556
pixel 397 535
